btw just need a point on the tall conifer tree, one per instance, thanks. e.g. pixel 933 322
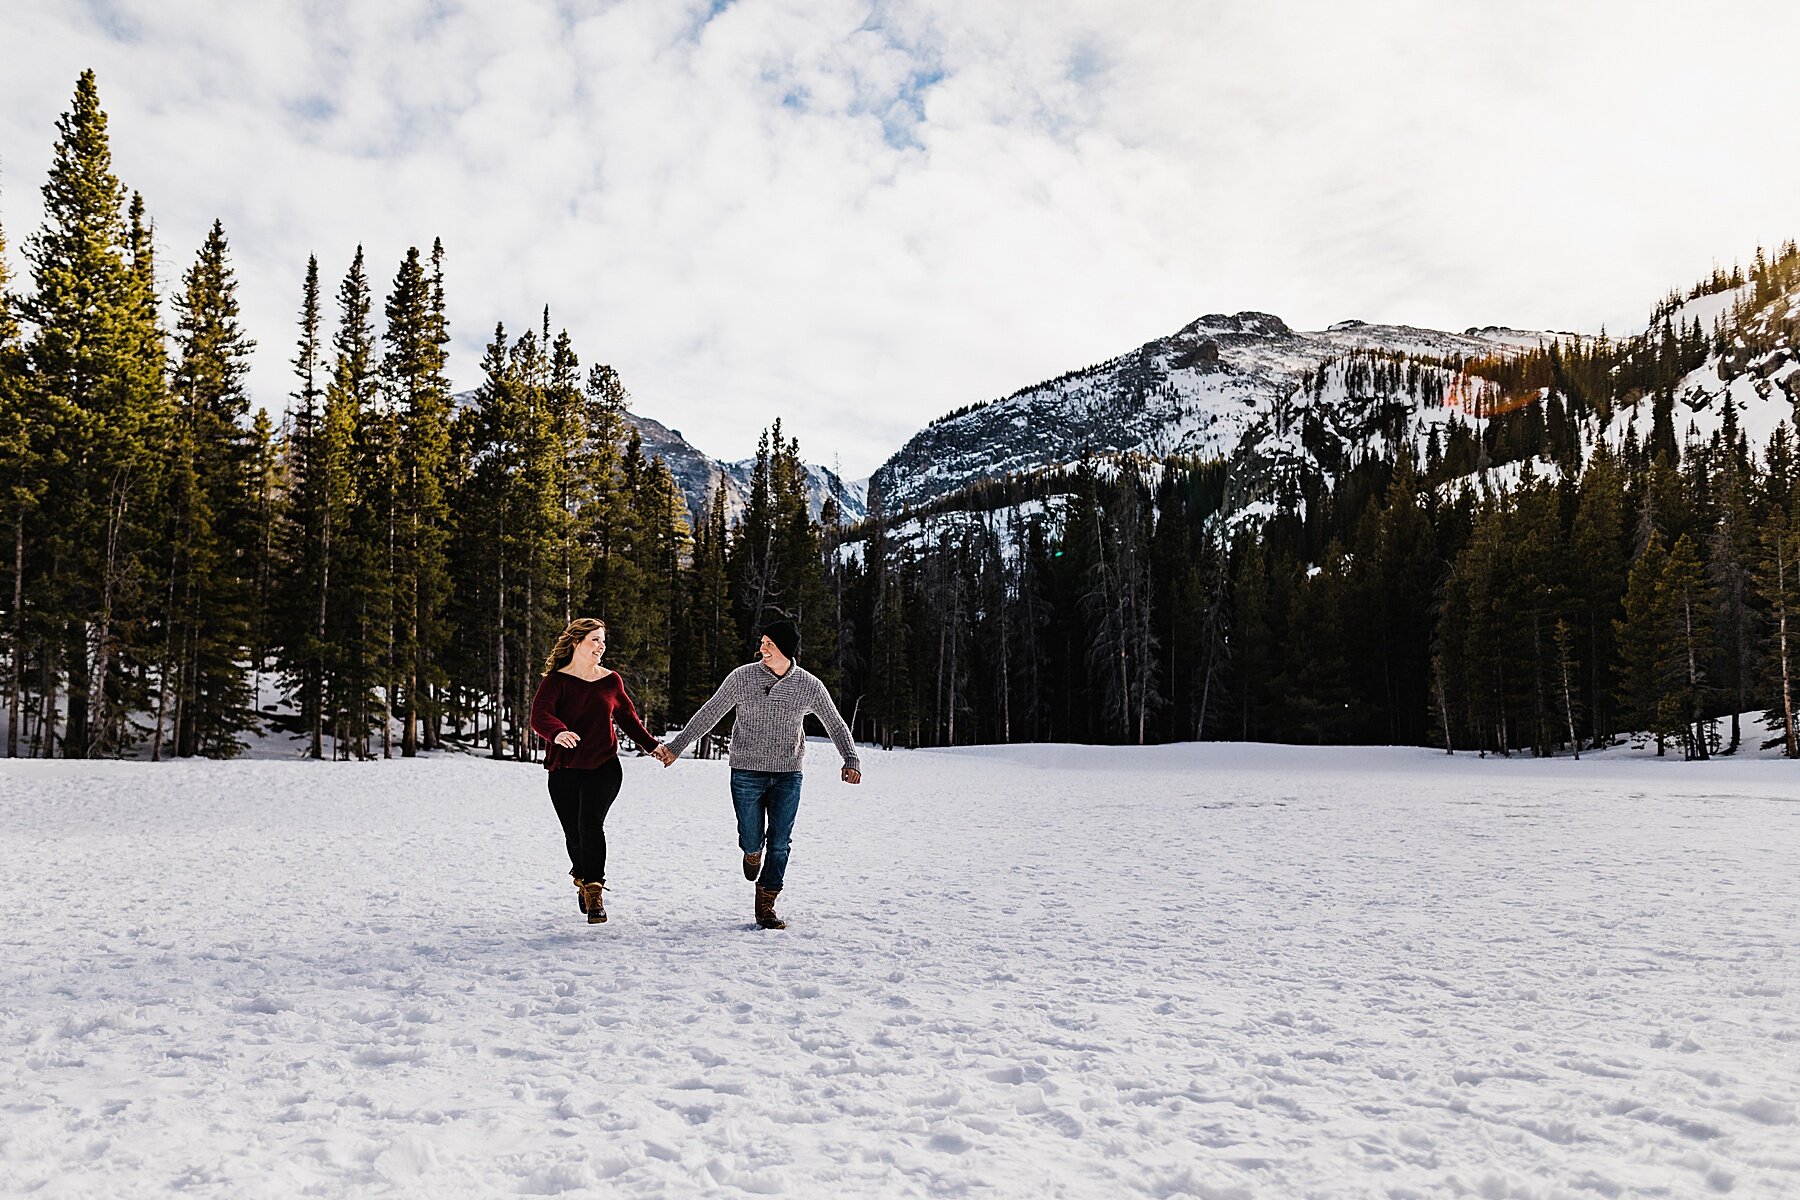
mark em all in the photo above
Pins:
pixel 215 521
pixel 97 372
pixel 418 402
pixel 305 524
pixel 354 585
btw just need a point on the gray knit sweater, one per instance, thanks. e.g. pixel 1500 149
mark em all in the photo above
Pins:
pixel 770 734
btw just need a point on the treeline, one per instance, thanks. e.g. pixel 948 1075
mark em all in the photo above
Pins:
pixel 1555 615
pixel 391 561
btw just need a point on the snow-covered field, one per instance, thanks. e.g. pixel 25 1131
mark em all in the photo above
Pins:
pixel 1215 971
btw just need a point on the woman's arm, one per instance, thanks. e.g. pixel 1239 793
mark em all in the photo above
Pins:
pixel 544 721
pixel 625 716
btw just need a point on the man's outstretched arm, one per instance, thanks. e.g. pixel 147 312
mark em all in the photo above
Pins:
pixel 702 722
pixel 833 721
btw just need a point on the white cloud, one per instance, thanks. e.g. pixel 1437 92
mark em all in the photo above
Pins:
pixel 856 216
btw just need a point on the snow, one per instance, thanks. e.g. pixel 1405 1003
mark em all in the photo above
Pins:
pixel 1504 478
pixel 1707 309
pixel 916 533
pixel 1198 970
pixel 1432 343
pixel 1699 411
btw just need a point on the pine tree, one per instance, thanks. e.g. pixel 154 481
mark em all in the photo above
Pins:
pixel 1731 551
pixel 1256 646
pixel 642 553
pixel 1118 603
pixel 417 398
pixel 1598 550
pixel 1539 599
pixel 602 513
pixel 1481 590
pixel 566 409
pixel 489 438
pixel 1317 680
pixel 1405 570
pixel 510 560
pixel 215 519
pixel 664 542
pixel 890 660
pixel 266 486
pixel 1685 604
pixel 354 585
pixel 1777 578
pixel 1566 672
pixel 97 378
pixel 306 523
pixel 709 636
pixel 753 559
pixel 1639 636
pixel 800 589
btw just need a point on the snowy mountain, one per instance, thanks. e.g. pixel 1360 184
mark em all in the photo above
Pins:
pixel 1291 411
pixel 1218 387
pixel 698 475
pixel 695 472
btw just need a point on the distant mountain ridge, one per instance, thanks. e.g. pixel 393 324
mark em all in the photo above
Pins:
pixel 1203 392
pixel 1288 416
pixel 697 474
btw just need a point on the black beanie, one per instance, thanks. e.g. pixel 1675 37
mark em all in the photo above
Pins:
pixel 785 637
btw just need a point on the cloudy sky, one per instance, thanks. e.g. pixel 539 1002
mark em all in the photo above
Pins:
pixel 856 216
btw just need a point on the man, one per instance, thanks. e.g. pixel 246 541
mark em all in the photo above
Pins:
pixel 772 697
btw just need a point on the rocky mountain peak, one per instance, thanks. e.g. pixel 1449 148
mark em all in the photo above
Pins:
pixel 1244 324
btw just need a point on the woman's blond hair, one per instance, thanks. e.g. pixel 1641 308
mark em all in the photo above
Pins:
pixel 564 650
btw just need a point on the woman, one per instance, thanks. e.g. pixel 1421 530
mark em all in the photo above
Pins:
pixel 576 705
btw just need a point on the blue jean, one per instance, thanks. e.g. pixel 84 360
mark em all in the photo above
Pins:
pixel 767 803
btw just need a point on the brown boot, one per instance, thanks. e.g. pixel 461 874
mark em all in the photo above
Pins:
pixel 765 909
pixel 752 866
pixel 580 891
pixel 593 903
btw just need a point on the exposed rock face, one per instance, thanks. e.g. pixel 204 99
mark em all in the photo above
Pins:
pixel 1201 391
pixel 698 475
pixel 695 473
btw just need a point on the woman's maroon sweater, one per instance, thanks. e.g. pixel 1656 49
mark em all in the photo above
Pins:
pixel 564 701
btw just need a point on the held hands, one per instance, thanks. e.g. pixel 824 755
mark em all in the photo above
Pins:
pixel 851 775
pixel 568 739
pixel 663 755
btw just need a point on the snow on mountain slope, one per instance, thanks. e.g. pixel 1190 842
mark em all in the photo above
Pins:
pixel 1708 309
pixel 1760 395
pixel 1198 970
pixel 1198 392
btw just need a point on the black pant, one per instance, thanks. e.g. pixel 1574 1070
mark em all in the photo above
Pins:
pixel 582 796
